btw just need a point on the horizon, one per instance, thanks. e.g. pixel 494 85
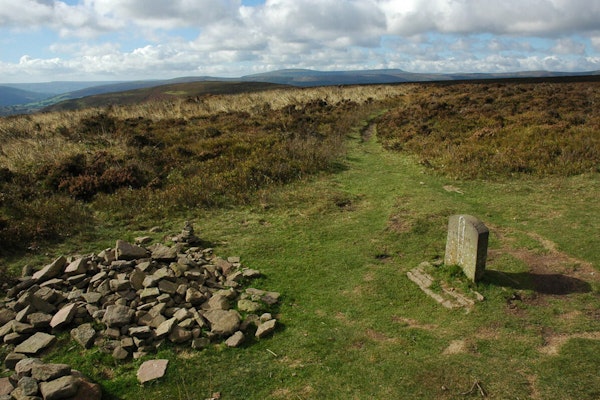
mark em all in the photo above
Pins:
pixel 108 40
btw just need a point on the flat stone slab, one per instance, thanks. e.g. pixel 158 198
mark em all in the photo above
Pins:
pixel 151 370
pixel 35 343
pixel 64 316
pixel 449 298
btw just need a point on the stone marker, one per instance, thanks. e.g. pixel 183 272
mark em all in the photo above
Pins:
pixel 466 245
pixel 152 369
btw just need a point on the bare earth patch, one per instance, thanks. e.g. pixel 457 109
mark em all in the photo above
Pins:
pixel 554 342
pixel 456 347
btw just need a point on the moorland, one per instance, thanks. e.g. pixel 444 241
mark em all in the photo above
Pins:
pixel 334 193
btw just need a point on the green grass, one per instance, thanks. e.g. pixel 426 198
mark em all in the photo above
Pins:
pixel 338 244
pixel 352 324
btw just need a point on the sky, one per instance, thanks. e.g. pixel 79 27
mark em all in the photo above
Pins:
pixel 51 40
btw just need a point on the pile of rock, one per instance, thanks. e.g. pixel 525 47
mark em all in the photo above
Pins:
pixel 129 299
pixel 32 379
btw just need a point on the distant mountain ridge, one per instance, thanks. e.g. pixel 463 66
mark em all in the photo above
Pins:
pixel 30 97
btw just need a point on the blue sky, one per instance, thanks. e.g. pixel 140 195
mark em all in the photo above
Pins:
pixel 46 40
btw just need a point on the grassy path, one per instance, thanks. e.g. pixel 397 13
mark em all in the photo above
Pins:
pixel 354 327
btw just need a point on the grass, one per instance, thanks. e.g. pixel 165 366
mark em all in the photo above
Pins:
pixel 338 243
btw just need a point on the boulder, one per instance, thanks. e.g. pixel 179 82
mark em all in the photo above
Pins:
pixel 235 340
pixel 47 372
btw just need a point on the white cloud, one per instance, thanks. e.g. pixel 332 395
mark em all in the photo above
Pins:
pixel 145 38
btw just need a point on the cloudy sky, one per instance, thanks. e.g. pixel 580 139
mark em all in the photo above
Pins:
pixel 45 40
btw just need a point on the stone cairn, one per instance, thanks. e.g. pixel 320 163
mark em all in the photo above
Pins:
pixel 130 299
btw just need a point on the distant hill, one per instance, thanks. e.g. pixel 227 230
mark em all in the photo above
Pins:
pixel 174 90
pixel 306 77
pixel 12 96
pixel 31 97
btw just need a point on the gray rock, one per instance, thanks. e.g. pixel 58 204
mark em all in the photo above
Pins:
pixel 60 388
pixel 6 315
pixel 149 292
pixel 35 343
pixel 136 279
pixel 200 343
pixel 92 297
pixel 194 296
pixel 87 390
pixel 235 340
pixel 151 370
pixel 223 322
pixel 39 320
pixel 141 332
pixel 128 251
pixel 48 372
pixel 84 335
pixel 6 387
pixel 51 270
pixel 266 328
pixel 23 367
pixel 11 360
pixel 165 328
pixel 117 315
pixel 248 306
pixel 77 267
pixel 168 287
pixel 160 252
pixel 14 338
pixel 216 302
pixel 28 385
pixel 180 335
pixel 64 316
pixel 120 353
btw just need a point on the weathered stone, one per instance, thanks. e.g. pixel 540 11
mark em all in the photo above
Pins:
pixel 168 287
pixel 39 320
pixel 77 267
pixel 141 240
pixel 265 328
pixel 248 306
pixel 160 252
pixel 194 296
pixel 64 316
pixel 87 390
pixel 92 297
pixel 466 245
pixel 117 315
pixel 152 369
pixel 23 367
pixel 180 335
pixel 22 315
pixel 6 386
pixel 127 343
pixel 223 322
pixel 141 332
pixel 128 251
pixel 120 353
pixel 216 302
pixel 48 372
pixel 250 273
pixel 28 386
pixel 136 279
pixel 11 360
pixel 165 328
pixel 200 343
pixel 149 292
pixel 84 335
pixel 235 340
pixel 51 270
pixel 35 343
pixel 60 388
pixel 6 315
pixel 14 338
pixel 181 314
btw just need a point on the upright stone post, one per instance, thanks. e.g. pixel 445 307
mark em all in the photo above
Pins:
pixel 467 244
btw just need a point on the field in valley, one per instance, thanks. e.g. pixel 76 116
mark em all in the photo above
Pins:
pixel 335 193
